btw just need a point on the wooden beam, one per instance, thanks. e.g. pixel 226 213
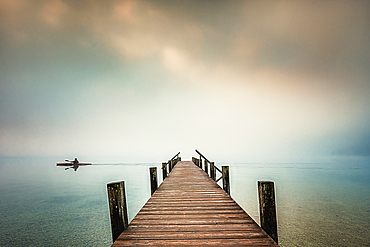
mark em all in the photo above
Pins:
pixel 266 196
pixel 212 171
pixel 117 208
pixel 153 179
pixel 225 179
pixel 164 170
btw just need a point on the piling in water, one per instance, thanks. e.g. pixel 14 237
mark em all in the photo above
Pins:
pixel 266 196
pixel 225 179
pixel 117 208
pixel 212 171
pixel 153 179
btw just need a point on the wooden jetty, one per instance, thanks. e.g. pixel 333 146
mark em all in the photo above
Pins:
pixel 190 209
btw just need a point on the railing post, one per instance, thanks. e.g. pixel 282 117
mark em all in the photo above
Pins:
pixel 195 161
pixel 153 179
pixel 200 162
pixel 212 171
pixel 267 208
pixel 164 170
pixel 169 166
pixel 173 163
pixel 117 208
pixel 206 166
pixel 225 179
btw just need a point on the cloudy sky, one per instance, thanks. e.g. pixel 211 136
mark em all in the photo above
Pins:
pixel 141 80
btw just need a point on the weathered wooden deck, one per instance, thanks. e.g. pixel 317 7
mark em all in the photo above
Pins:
pixel 190 209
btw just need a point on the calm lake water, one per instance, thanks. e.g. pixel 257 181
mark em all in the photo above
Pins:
pixel 318 204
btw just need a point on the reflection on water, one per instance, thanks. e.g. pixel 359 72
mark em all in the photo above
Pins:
pixel 319 204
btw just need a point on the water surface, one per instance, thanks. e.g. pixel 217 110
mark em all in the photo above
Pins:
pixel 318 204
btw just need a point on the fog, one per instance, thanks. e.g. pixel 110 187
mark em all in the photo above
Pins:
pixel 138 81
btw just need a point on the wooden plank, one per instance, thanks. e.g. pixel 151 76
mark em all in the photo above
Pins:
pixel 159 235
pixel 194 228
pixel 190 212
pixel 190 209
pixel 191 222
pixel 191 216
pixel 197 242
pixel 195 199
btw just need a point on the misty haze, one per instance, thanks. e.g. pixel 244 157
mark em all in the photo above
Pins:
pixel 278 90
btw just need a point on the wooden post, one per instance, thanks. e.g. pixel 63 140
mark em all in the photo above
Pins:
pixel 169 166
pixel 212 171
pixel 200 162
pixel 206 166
pixel 164 170
pixel 225 179
pixel 173 163
pixel 117 208
pixel 195 161
pixel 153 179
pixel 267 208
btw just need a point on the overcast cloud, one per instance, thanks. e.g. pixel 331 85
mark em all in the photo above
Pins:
pixel 140 80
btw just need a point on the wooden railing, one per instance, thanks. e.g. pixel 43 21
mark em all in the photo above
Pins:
pixel 213 169
pixel 165 165
pixel 118 206
pixel 266 194
pixel 168 166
